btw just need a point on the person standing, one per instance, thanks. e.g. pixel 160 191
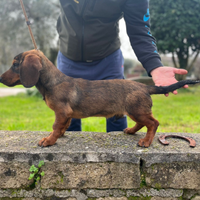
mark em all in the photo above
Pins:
pixel 90 45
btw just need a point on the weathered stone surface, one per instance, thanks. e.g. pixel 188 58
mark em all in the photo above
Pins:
pixel 113 198
pixel 188 194
pixel 85 165
pixel 133 193
pixel 19 193
pixel 94 193
pixel 62 193
pixel 14 175
pixel 161 193
pixel 84 147
pixel 155 192
pixel 31 199
pixel 78 195
pixel 196 198
pixel 7 198
pixel 174 175
pixel 160 198
pixel 52 198
pixel 42 194
pixel 91 175
pixel 75 147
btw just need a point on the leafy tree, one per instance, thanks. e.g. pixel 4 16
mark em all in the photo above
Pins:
pixel 129 64
pixel 175 25
pixel 14 34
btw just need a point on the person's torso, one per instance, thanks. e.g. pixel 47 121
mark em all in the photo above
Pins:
pixel 88 29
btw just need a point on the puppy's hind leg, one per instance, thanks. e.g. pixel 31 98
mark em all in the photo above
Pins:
pixel 134 129
pixel 138 108
pixel 152 124
pixel 144 120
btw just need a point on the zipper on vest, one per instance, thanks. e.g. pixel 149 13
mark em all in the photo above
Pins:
pixel 83 31
pixel 82 40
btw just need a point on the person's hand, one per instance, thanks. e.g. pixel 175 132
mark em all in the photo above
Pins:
pixel 164 76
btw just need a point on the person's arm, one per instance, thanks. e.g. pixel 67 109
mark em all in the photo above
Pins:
pixel 137 18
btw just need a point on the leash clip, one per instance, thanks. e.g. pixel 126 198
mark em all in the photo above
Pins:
pixel 28 23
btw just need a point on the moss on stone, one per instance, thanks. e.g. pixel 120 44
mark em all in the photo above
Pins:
pixel 61 176
pixel 158 186
pixel 7 198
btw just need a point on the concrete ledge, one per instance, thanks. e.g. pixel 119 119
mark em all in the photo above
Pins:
pixel 86 165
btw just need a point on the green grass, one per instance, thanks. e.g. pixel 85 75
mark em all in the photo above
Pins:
pixel 22 112
pixel 4 86
pixel 176 113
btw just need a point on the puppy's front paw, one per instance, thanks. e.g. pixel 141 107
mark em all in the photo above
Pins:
pixel 44 142
pixel 129 131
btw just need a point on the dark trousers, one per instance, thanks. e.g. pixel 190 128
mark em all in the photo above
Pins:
pixel 111 124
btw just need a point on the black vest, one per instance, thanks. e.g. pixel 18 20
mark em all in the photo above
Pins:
pixel 88 29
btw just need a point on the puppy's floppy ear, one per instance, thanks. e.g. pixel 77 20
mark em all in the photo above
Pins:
pixel 30 70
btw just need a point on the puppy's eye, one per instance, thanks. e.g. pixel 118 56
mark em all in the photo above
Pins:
pixel 15 64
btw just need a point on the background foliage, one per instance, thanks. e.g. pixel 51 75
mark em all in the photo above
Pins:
pixel 175 25
pixel 14 34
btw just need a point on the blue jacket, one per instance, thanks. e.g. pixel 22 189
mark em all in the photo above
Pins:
pixel 88 30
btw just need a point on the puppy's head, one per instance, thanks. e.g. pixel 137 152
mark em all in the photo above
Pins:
pixel 25 70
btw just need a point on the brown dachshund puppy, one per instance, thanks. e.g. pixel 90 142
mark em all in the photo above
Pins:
pixel 79 98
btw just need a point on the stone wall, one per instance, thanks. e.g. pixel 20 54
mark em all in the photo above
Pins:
pixel 102 166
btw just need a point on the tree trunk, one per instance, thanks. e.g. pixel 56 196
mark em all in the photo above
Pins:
pixel 183 56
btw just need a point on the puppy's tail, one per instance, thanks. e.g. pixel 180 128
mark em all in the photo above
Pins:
pixel 170 88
